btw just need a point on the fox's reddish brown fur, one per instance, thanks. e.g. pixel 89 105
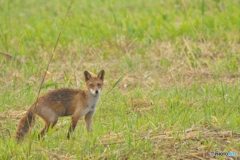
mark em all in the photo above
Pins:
pixel 64 102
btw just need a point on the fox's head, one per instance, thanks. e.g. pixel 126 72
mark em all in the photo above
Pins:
pixel 94 84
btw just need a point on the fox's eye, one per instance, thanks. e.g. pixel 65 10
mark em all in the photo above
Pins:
pixel 91 85
pixel 99 84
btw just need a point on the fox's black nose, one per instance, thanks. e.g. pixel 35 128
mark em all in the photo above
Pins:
pixel 96 91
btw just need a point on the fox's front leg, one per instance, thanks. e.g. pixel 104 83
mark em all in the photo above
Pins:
pixel 88 120
pixel 73 123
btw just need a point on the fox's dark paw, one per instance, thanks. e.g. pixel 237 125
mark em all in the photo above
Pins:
pixel 40 137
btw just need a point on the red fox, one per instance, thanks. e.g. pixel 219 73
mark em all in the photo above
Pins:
pixel 64 102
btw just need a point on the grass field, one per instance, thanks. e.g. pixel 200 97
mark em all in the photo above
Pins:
pixel 172 76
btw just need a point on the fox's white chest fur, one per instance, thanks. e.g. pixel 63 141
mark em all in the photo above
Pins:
pixel 93 101
pixel 92 104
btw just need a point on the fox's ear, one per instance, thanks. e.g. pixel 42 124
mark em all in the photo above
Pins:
pixel 87 75
pixel 101 74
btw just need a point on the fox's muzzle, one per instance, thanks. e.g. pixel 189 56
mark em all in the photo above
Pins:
pixel 96 91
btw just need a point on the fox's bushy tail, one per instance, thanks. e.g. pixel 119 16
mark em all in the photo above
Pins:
pixel 24 124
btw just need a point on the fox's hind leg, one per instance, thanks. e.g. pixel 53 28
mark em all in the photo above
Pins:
pixel 50 113
pixel 47 126
pixel 50 118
